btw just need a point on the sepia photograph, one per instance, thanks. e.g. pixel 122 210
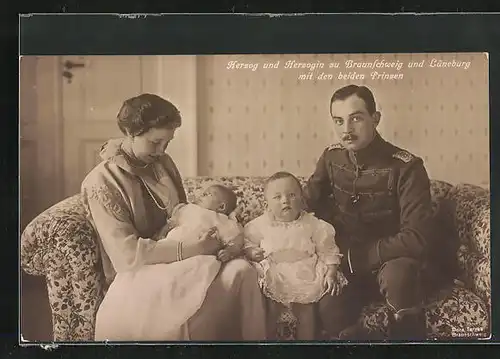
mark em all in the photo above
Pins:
pixel 300 197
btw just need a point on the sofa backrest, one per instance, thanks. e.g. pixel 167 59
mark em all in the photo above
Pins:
pixel 251 195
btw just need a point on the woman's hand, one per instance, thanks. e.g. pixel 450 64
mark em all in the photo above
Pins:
pixel 209 242
pixel 255 254
pixel 224 255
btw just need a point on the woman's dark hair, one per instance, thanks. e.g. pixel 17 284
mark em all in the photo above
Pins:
pixel 362 92
pixel 280 175
pixel 141 113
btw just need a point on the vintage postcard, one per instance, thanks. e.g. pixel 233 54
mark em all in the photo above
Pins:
pixel 350 196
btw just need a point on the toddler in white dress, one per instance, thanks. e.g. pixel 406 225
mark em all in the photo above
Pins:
pixel 295 254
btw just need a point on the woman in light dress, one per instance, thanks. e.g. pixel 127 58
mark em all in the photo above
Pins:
pixel 129 197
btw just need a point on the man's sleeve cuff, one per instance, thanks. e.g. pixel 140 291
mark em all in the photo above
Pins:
pixel 374 259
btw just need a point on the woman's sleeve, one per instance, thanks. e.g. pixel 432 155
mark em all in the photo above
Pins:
pixel 324 239
pixel 252 235
pixel 113 222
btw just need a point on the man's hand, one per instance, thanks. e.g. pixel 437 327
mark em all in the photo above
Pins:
pixel 255 254
pixel 330 281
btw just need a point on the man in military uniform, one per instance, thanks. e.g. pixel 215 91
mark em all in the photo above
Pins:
pixel 377 196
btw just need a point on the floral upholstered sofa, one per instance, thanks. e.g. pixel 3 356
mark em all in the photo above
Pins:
pixel 61 245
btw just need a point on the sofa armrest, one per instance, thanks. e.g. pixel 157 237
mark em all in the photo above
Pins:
pixel 61 229
pixel 476 272
pixel 61 244
pixel 473 226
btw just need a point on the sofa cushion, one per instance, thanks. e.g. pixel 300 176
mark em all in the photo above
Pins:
pixel 454 312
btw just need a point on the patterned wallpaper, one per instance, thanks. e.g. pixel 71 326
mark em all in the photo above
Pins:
pixel 256 120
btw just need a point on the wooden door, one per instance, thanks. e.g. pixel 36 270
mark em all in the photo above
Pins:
pixel 40 135
pixel 28 145
pixel 93 90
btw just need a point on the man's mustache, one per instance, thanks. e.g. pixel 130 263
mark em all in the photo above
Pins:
pixel 349 137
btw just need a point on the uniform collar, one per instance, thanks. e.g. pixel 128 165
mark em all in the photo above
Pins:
pixel 366 155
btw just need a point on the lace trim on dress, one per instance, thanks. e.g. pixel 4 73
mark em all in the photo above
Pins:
pixel 291 294
pixel 295 223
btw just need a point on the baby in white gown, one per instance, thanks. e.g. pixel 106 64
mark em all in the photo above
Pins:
pixel 294 252
pixel 212 209
pixel 186 285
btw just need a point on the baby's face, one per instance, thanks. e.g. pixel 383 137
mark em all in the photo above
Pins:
pixel 284 199
pixel 212 198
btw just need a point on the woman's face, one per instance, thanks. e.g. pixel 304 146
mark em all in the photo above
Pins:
pixel 284 199
pixel 148 146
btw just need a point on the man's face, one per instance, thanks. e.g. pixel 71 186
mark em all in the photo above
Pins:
pixel 353 125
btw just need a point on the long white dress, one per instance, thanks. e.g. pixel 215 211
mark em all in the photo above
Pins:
pixel 296 257
pixel 186 285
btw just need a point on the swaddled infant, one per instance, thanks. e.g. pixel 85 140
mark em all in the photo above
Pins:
pixel 211 211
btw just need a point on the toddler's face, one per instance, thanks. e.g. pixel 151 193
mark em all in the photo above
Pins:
pixel 212 199
pixel 284 199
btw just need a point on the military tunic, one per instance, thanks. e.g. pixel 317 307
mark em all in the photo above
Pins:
pixel 378 200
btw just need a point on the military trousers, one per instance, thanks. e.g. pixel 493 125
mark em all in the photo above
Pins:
pixel 398 282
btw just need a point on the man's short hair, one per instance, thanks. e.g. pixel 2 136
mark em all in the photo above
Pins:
pixel 362 92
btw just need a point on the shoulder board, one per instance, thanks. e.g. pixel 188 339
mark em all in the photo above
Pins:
pixel 335 146
pixel 403 156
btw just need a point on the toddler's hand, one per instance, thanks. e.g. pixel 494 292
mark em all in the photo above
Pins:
pixel 224 255
pixel 255 254
pixel 330 281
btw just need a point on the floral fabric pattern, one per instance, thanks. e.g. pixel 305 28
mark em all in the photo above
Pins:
pixel 473 216
pixel 61 245
pixel 476 272
pixel 450 313
pixel 473 226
